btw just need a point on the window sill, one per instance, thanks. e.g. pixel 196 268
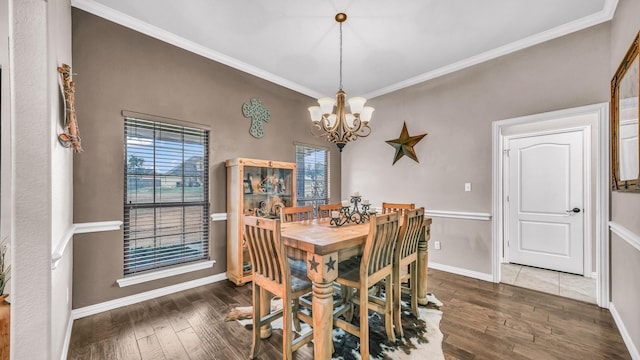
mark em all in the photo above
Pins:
pixel 164 273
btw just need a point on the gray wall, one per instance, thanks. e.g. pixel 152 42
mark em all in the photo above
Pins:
pixel 625 207
pixel 120 69
pixel 456 111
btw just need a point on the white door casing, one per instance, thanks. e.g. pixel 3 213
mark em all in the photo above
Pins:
pixel 600 165
pixel 544 199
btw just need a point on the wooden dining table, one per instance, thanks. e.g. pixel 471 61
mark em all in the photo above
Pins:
pixel 322 246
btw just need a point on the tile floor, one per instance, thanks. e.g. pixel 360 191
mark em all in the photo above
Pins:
pixel 549 281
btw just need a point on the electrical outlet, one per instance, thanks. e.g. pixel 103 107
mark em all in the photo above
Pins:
pixel 436 245
pixel 467 186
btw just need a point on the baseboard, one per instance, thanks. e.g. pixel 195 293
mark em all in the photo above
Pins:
pixel 461 271
pixel 633 350
pixel 594 275
pixel 133 299
pixel 67 339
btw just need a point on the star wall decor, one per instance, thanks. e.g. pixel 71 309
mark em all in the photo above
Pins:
pixel 404 144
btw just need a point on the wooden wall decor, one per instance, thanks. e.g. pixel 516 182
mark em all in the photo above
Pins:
pixel 70 138
pixel 404 144
pixel 258 115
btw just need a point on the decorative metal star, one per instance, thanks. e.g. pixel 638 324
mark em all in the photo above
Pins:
pixel 404 144
pixel 314 264
pixel 331 264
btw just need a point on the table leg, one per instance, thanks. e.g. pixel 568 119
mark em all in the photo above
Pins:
pixel 322 270
pixel 322 320
pixel 423 258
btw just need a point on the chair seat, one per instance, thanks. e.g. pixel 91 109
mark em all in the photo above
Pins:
pixel 299 279
pixel 349 269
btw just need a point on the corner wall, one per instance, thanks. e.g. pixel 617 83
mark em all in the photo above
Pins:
pixel 120 69
pixel 456 111
pixel 625 207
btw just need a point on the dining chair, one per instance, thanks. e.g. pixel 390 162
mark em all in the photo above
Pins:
pixel 296 213
pixel 324 211
pixel 375 265
pixel 406 255
pixel 273 273
pixel 396 207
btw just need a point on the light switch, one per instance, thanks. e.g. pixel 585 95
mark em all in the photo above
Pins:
pixel 467 186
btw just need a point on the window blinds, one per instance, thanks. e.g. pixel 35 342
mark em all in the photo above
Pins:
pixel 166 197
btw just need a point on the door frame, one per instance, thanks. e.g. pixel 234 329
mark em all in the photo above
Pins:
pixel 585 132
pixel 601 214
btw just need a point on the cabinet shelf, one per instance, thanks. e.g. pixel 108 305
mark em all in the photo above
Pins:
pixel 254 187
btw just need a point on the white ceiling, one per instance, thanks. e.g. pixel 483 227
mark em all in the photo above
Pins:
pixel 387 45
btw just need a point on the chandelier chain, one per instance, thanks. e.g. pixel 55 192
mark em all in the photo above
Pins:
pixel 340 56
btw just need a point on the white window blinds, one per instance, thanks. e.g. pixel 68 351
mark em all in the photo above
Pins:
pixel 166 197
pixel 312 181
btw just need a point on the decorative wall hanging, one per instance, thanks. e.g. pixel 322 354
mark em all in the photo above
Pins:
pixel 70 138
pixel 404 144
pixel 258 114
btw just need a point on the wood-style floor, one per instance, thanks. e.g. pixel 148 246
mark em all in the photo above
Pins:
pixel 481 320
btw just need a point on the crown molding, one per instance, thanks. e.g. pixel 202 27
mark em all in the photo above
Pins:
pixel 130 22
pixel 606 14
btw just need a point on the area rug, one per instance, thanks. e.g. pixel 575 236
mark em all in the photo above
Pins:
pixel 423 338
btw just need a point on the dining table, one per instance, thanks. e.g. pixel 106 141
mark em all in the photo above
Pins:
pixel 322 246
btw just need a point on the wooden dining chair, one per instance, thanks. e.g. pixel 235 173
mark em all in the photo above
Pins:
pixel 273 273
pixel 406 254
pixel 296 213
pixel 375 265
pixel 396 207
pixel 324 211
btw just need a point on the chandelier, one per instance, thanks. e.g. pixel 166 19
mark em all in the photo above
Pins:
pixel 340 127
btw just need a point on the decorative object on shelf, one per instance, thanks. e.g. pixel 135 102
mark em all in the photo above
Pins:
pixel 4 270
pixel 339 127
pixel 347 214
pixel 258 115
pixel 404 144
pixel 246 186
pixel 70 138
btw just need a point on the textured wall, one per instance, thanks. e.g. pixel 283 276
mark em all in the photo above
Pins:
pixel 120 69
pixel 457 111
pixel 31 179
pixel 59 26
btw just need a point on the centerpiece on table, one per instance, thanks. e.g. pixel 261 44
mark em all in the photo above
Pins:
pixel 352 214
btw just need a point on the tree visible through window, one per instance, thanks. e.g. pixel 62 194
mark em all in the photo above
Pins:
pixel 166 197
pixel 312 181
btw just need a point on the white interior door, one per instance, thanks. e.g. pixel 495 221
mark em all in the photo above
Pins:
pixel 545 199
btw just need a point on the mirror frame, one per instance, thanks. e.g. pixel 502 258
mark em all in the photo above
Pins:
pixel 617 184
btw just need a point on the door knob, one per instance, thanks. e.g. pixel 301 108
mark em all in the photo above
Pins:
pixel 574 210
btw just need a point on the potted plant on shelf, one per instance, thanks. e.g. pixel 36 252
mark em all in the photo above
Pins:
pixel 4 272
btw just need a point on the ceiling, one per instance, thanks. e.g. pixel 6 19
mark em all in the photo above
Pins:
pixel 387 45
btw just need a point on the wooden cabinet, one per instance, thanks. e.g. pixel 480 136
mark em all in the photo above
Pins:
pixel 254 187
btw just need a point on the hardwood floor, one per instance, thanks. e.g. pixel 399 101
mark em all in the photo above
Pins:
pixel 481 320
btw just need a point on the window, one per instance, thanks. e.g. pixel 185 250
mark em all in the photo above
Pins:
pixel 166 197
pixel 312 181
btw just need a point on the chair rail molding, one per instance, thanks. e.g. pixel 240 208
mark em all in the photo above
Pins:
pixel 80 228
pixel 625 234
pixel 458 215
pixel 219 217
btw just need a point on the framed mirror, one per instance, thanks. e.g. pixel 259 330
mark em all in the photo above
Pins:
pixel 625 154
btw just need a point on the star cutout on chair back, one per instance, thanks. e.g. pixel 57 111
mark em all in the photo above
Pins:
pixel 404 144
